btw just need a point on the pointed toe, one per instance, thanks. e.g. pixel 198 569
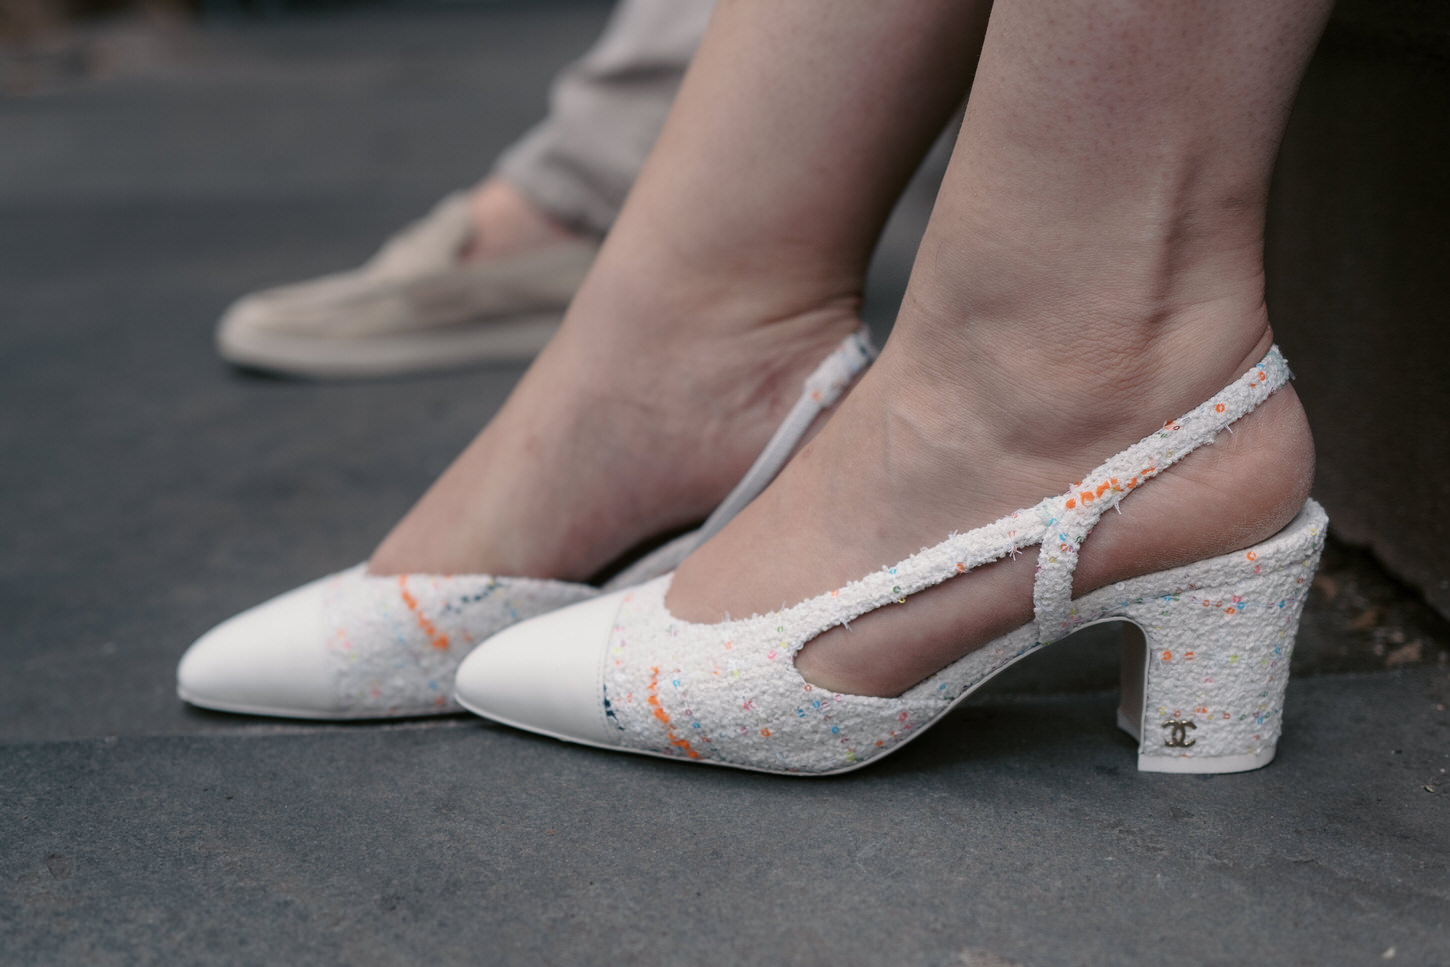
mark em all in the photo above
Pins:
pixel 545 675
pixel 264 661
pixel 355 645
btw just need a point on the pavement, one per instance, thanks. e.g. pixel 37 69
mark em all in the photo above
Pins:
pixel 149 491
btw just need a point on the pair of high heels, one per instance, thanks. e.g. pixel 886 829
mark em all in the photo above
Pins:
pixel 1205 693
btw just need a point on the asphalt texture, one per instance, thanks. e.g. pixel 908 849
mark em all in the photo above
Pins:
pixel 150 491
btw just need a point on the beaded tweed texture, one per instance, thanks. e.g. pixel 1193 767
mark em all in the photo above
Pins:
pixel 395 642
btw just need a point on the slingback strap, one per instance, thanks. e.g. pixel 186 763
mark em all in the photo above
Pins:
pixel 1067 520
pixel 1056 525
pixel 822 388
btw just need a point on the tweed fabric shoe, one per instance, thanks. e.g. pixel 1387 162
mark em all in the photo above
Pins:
pixel 1205 696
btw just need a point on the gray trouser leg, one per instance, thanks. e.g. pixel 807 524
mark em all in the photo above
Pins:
pixel 605 111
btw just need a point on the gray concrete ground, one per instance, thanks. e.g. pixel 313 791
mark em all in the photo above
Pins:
pixel 149 492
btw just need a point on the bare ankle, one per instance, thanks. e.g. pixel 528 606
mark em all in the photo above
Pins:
pixel 507 223
pixel 1054 371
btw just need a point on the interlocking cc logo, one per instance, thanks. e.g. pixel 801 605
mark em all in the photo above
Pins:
pixel 1178 738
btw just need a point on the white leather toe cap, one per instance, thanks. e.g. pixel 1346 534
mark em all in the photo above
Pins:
pixel 543 675
pixel 268 660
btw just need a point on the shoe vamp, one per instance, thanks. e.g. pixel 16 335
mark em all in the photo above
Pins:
pixel 366 303
pixel 397 641
pixel 730 693
pixel 360 308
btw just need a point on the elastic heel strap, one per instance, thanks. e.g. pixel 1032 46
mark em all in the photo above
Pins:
pixel 822 388
pixel 1068 519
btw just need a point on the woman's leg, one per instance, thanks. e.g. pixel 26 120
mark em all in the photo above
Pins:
pixel 1093 267
pixel 735 266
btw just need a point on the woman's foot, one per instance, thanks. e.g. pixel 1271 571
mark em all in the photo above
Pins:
pixel 1093 267
pixel 627 427
pixel 635 422
pixel 934 443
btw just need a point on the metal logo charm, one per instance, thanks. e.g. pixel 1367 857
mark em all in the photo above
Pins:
pixel 1178 738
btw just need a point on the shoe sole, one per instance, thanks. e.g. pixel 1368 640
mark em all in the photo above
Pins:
pixel 311 715
pixel 516 339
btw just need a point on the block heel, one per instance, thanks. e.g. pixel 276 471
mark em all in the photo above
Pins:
pixel 1206 661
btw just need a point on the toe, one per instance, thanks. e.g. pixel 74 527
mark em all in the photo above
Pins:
pixel 544 675
pixel 269 660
